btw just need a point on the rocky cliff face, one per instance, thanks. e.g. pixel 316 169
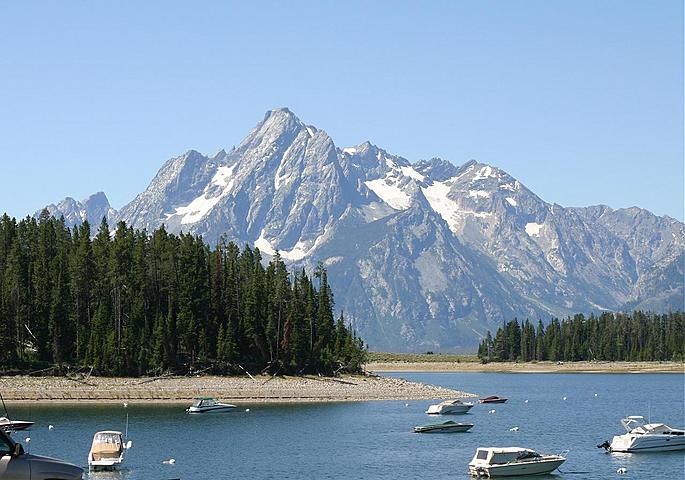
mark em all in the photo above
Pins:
pixel 421 256
pixel 93 209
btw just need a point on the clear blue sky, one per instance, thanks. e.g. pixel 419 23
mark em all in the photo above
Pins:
pixel 580 100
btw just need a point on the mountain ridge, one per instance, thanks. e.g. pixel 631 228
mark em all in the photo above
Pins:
pixel 471 245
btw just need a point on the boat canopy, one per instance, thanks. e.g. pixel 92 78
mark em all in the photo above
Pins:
pixel 505 454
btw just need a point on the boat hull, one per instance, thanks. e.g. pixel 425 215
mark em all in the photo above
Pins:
pixel 464 427
pixel 217 409
pixel 104 467
pixel 647 443
pixel 105 464
pixel 15 426
pixel 516 469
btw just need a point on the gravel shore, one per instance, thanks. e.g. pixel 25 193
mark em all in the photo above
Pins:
pixel 529 367
pixel 238 389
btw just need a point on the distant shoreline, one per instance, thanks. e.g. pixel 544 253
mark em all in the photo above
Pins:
pixel 260 389
pixel 525 367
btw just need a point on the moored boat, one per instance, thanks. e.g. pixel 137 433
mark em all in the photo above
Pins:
pixel 108 450
pixel 8 425
pixel 512 461
pixel 209 405
pixel 646 437
pixel 445 427
pixel 449 407
pixel 493 399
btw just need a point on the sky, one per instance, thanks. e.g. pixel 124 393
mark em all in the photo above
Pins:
pixel 581 101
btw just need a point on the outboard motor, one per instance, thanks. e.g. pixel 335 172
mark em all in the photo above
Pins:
pixel 606 446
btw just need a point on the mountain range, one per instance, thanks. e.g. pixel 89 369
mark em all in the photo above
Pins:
pixel 421 256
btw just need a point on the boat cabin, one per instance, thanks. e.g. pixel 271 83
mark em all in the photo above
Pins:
pixel 497 456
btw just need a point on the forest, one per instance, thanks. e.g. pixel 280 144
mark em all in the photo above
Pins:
pixel 638 336
pixel 129 303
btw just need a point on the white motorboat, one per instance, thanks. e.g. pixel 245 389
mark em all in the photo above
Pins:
pixel 449 407
pixel 207 405
pixel 107 451
pixel 512 461
pixel 646 437
pixel 13 425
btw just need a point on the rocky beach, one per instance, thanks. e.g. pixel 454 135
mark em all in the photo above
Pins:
pixel 237 389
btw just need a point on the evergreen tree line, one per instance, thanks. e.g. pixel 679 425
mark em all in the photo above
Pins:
pixel 638 336
pixel 131 303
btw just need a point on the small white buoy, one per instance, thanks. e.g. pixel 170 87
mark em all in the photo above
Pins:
pixel 125 405
pixel 406 404
pixel 514 429
pixel 171 461
pixel 247 409
pixel 525 401
pixel 622 470
pixel 492 411
pixel 27 439
pixel 50 427
pixel 564 398
pixel 595 394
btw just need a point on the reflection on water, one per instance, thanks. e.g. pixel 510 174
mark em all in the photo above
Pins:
pixel 374 440
pixel 113 475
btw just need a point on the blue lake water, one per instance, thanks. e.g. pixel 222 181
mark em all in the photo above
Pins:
pixel 373 440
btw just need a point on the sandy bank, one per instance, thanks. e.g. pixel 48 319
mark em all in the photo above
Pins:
pixel 237 389
pixel 529 367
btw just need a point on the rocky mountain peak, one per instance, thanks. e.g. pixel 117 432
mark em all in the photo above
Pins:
pixel 91 209
pixel 278 128
pixel 436 169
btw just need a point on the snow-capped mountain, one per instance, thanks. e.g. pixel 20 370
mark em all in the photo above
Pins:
pixel 421 256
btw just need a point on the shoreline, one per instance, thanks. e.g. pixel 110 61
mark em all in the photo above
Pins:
pixel 527 367
pixel 262 389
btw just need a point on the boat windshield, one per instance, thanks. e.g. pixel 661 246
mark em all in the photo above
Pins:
pixel 527 455
pixel 108 438
pixel 501 457
pixel 634 422
pixel 204 402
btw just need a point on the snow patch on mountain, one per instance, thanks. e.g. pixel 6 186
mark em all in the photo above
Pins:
pixel 388 190
pixel 436 194
pixel 299 251
pixel 410 172
pixel 485 172
pixel 533 229
pixel 220 186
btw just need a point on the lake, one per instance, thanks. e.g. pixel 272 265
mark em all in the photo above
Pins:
pixel 373 440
